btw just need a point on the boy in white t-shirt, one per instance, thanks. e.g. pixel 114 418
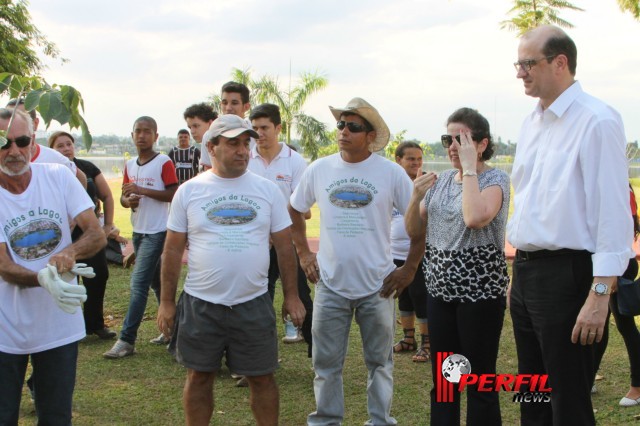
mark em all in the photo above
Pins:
pixel 148 187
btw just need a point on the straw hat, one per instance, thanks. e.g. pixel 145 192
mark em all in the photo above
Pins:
pixel 362 108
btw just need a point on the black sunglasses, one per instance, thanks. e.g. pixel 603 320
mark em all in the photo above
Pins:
pixel 21 141
pixel 447 140
pixel 353 127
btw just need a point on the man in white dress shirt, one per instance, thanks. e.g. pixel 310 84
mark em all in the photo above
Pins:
pixel 571 226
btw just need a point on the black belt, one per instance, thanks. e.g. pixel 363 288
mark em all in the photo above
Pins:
pixel 541 254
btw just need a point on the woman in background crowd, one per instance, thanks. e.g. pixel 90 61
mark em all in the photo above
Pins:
pixel 99 191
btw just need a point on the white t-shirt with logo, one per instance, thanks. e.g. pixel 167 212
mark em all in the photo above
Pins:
pixel 228 223
pixel 35 226
pixel 355 201
pixel 285 170
pixel 150 217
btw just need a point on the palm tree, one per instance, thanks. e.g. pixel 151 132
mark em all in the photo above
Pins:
pixel 311 131
pixel 631 6
pixel 533 13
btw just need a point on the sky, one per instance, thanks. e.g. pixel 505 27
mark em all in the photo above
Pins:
pixel 416 61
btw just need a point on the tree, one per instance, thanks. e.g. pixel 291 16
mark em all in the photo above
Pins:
pixel 533 13
pixel 631 6
pixel 312 132
pixel 54 102
pixel 18 35
pixel 20 65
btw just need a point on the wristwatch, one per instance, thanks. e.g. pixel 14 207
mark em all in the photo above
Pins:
pixel 469 173
pixel 600 288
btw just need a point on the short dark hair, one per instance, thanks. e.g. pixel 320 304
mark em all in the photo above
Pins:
pixel 147 119
pixel 233 87
pixel 562 44
pixel 403 146
pixel 203 111
pixel 183 132
pixel 366 123
pixel 270 111
pixel 478 125
pixel 13 102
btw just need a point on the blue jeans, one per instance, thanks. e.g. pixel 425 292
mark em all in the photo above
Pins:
pixel 332 316
pixel 148 248
pixel 54 379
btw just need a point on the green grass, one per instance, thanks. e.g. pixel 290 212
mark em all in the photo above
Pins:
pixel 146 389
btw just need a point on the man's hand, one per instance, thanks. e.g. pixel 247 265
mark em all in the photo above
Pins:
pixel 309 264
pixel 166 317
pixel 396 282
pixel 293 307
pixel 67 296
pixel 590 323
pixel 129 189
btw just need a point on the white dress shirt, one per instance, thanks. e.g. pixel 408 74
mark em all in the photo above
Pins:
pixel 570 182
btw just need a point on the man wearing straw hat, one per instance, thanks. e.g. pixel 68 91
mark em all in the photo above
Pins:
pixel 356 192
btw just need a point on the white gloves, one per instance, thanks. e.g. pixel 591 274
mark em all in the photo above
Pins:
pixel 67 296
pixel 79 269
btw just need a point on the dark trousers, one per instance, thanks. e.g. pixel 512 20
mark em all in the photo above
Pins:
pixel 414 297
pixel 628 330
pixel 304 293
pixel 93 307
pixel 546 296
pixel 53 380
pixel 471 329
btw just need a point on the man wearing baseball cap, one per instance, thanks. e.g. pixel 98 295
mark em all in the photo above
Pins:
pixel 356 192
pixel 227 215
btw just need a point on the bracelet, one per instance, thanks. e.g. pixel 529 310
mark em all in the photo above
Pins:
pixel 469 173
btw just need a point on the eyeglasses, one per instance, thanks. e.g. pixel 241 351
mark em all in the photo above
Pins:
pixel 20 141
pixel 527 64
pixel 353 127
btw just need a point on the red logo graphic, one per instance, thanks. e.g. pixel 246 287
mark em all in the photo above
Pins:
pixel 455 368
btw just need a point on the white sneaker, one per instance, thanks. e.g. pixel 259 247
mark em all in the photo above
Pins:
pixel 628 402
pixel 160 340
pixel 120 350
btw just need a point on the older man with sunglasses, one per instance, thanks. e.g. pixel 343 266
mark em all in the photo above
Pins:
pixel 571 226
pixel 39 295
pixel 356 192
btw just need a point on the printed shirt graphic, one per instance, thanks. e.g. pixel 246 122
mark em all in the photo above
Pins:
pixel 355 201
pixel 35 226
pixel 400 241
pixel 228 222
pixel 151 215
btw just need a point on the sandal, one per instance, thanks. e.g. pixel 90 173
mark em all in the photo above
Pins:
pixel 408 342
pixel 424 353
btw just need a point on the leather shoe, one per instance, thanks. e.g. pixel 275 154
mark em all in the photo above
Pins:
pixel 105 333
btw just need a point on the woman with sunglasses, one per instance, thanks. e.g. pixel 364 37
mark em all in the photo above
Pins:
pixel 99 191
pixel 464 212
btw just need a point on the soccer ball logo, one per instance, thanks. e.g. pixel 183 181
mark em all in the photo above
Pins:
pixel 454 366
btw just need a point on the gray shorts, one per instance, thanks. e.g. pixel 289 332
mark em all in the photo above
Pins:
pixel 245 334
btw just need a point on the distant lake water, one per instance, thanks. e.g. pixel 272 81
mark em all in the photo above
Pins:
pixel 108 166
